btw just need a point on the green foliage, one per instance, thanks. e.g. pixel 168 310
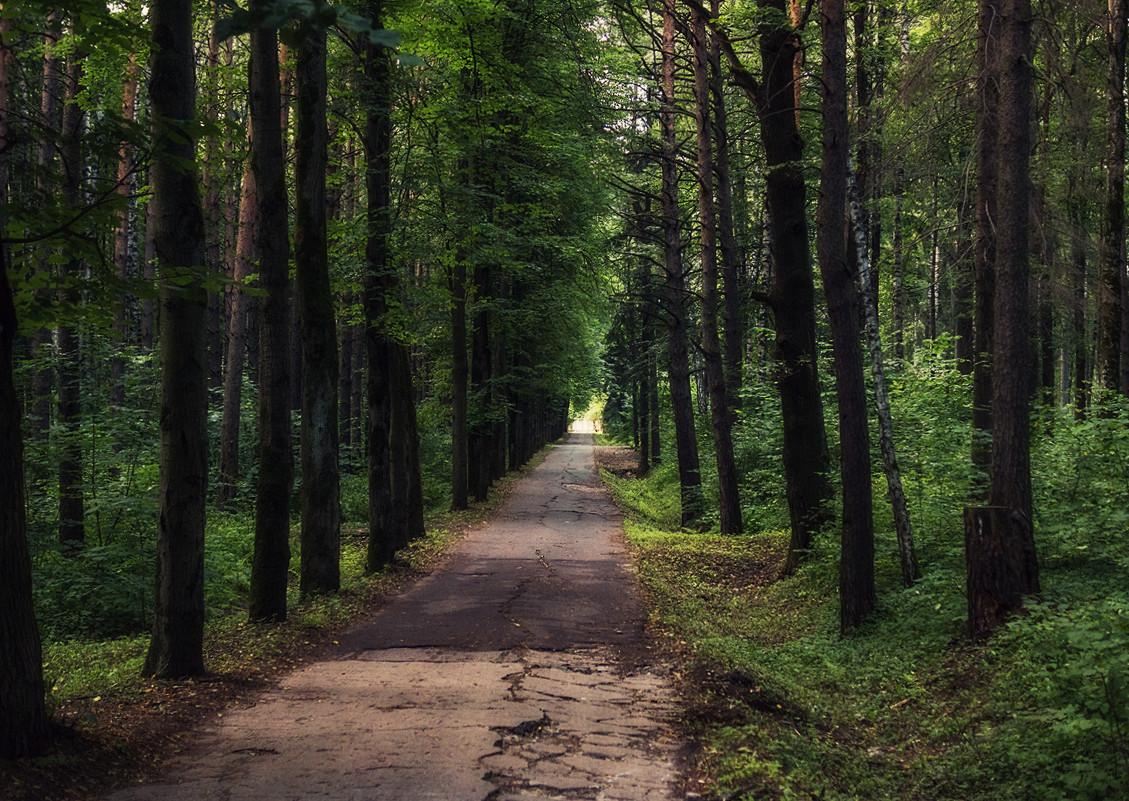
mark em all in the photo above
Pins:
pixel 91 668
pixel 99 591
pixel 757 445
pixel 906 708
pixel 1069 681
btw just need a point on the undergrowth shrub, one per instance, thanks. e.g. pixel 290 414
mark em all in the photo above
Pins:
pixel 906 707
pixel 1067 690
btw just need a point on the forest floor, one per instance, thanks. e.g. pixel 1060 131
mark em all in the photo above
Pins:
pixel 521 667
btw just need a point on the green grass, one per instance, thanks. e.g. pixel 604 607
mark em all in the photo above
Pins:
pixel 784 707
pixel 91 668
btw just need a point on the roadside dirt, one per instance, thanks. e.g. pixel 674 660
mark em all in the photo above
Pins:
pixel 521 669
pixel 619 460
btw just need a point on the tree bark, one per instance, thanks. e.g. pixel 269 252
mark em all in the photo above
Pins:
pixel 459 383
pixel 897 267
pixel 271 559
pixel 907 551
pixel 383 539
pixel 44 381
pixel 1111 261
pixel 1002 563
pixel 176 648
pixel 729 499
pixel 987 125
pixel 964 282
pixel 237 326
pixel 72 506
pixel 678 359
pixel 321 490
pixel 481 364
pixel 856 564
pixel 1011 465
pixel 405 481
pixel 23 714
pixel 806 460
pixel 213 213
pixel 125 244
pixel 734 338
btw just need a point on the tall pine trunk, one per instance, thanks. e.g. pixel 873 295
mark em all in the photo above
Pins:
pixel 42 342
pixel 1111 262
pixel 678 358
pixel 23 712
pixel 212 170
pixel 238 306
pixel 176 648
pixel 383 539
pixel 481 365
pixel 729 500
pixel 321 491
pixel 856 564
pixel 806 460
pixel 72 506
pixel 270 563
pixel 125 244
pixel 987 126
pixel 734 337
pixel 459 382
pixel 1000 545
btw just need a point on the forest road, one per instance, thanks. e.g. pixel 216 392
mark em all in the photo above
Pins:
pixel 520 669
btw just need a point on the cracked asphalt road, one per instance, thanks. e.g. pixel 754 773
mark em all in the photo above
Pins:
pixel 518 670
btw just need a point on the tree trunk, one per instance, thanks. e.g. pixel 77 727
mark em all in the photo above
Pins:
pixel 213 212
pixel 1081 375
pixel 653 399
pixel 72 507
pixel 734 338
pixel 149 273
pixel 44 381
pixel 869 72
pixel 125 245
pixel 711 347
pixel 321 490
pixel 382 542
pixel 963 284
pixel 23 713
pixel 991 564
pixel 897 267
pixel 176 648
pixel 479 449
pixel 793 293
pixel 856 566
pixel 459 375
pixel 806 460
pixel 987 124
pixel 1111 261
pixel 678 359
pixel 346 378
pixel 1011 467
pixel 406 481
pixel 238 306
pixel 907 552
pixel 271 559
pixel 1002 564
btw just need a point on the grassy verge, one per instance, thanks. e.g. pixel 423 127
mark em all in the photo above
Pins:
pixel 783 707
